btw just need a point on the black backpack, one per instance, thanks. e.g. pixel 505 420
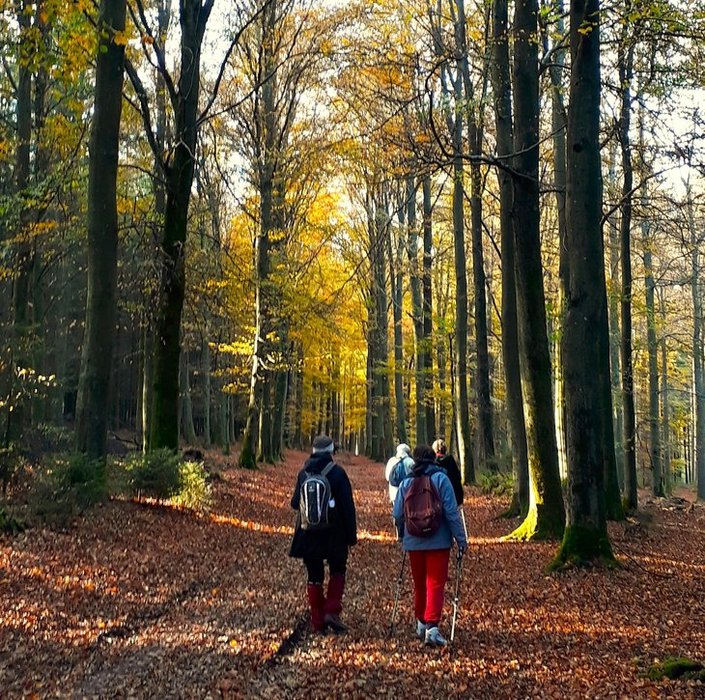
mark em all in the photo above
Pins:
pixel 314 500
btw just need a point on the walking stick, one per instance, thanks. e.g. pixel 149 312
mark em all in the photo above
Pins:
pixel 458 571
pixel 398 593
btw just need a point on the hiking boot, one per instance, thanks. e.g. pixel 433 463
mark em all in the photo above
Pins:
pixel 335 624
pixel 434 638
pixel 334 599
pixel 421 630
pixel 316 601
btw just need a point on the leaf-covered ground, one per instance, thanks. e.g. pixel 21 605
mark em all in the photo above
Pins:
pixel 147 601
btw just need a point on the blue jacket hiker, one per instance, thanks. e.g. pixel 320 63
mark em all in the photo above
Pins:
pixel 429 554
pixel 327 540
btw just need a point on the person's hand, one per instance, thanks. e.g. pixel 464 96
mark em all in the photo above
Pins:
pixel 462 548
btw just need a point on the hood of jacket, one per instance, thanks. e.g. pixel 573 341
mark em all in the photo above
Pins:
pixel 317 462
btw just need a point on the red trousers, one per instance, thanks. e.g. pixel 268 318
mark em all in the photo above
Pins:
pixel 429 569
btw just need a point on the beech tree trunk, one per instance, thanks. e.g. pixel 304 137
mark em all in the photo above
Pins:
pixel 501 80
pixel 417 308
pixel 657 486
pixel 558 128
pixel 427 343
pixel 545 517
pixel 698 357
pixel 585 341
pixel 396 281
pixel 665 408
pixel 187 430
pixel 460 384
pixel 101 304
pixel 625 60
pixel 613 297
pixel 164 430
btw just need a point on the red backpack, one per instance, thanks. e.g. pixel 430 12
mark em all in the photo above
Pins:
pixel 423 509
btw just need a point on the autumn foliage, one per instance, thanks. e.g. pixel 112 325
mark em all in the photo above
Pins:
pixel 143 600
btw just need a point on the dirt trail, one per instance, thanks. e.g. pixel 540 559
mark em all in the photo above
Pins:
pixel 148 601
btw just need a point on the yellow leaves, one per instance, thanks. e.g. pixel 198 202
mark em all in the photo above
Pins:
pixel 242 348
pixel 586 28
pixel 120 38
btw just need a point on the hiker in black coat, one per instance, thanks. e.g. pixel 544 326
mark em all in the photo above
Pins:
pixel 450 466
pixel 330 544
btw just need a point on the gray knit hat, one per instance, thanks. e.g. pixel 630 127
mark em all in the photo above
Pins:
pixel 323 443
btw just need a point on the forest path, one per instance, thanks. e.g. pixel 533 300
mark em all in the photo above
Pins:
pixel 141 600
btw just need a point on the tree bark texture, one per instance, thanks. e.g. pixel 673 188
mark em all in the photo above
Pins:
pixel 546 513
pixel 427 347
pixel 586 336
pixel 501 80
pixel 625 59
pixel 657 486
pixel 417 308
pixel 164 429
pixel 698 357
pixel 101 303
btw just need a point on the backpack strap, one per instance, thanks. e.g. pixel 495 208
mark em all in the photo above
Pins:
pixel 326 470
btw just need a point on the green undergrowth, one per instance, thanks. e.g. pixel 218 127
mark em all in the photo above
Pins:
pixel 497 484
pixel 63 487
pixel 677 668
pixel 164 476
pixel 9 524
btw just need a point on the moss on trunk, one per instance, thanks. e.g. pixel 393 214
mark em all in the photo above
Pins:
pixel 583 546
pixel 539 524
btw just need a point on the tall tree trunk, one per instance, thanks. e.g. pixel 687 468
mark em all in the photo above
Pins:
pixel 381 417
pixel 558 128
pixel 164 430
pixel 417 309
pixel 665 408
pixel 427 342
pixel 24 261
pixel 657 488
pixel 485 431
pixel 460 395
pixel 369 377
pixel 613 296
pixel 485 421
pixel 698 357
pixel 101 304
pixel 396 282
pixel 586 336
pixel 206 385
pixel 501 80
pixel 545 517
pixel 625 60
pixel 187 429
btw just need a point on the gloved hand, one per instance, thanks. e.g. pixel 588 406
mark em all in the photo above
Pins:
pixel 462 548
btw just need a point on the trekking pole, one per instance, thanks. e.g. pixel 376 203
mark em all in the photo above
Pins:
pixel 398 592
pixel 457 577
pixel 465 527
pixel 458 570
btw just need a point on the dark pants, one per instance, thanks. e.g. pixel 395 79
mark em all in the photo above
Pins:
pixel 336 565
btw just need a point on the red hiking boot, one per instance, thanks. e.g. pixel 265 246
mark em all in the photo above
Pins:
pixel 334 604
pixel 316 601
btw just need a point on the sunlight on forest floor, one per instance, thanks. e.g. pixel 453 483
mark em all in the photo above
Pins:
pixel 150 600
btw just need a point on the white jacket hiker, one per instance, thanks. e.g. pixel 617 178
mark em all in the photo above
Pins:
pixel 395 476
